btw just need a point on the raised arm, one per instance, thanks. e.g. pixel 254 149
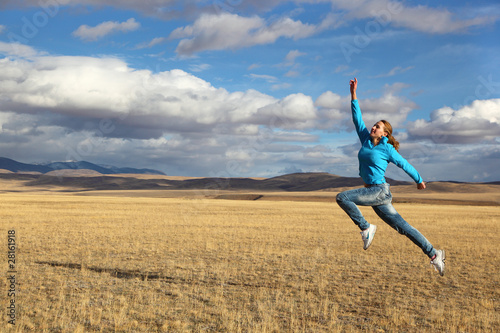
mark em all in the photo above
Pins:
pixel 357 119
pixel 354 86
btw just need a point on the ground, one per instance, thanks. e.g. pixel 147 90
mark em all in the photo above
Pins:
pixel 139 262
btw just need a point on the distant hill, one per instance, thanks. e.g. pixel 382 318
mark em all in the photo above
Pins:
pixel 297 182
pixel 89 176
pixel 14 166
pixel 73 173
pixel 100 182
pixel 244 188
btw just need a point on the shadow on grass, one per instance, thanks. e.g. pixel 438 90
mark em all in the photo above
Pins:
pixel 149 276
pixel 118 273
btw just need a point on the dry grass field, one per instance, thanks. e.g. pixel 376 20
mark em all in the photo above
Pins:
pixel 148 264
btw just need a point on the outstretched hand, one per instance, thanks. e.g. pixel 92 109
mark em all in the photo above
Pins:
pixel 421 186
pixel 354 86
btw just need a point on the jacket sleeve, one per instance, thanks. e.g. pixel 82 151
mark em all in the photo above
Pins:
pixel 398 160
pixel 357 119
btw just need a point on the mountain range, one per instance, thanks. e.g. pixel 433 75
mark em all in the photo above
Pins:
pixel 101 177
pixel 15 166
pixel 304 182
pixel 78 176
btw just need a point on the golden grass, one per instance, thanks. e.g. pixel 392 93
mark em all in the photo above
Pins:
pixel 117 264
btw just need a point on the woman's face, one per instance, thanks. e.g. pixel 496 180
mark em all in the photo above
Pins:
pixel 378 130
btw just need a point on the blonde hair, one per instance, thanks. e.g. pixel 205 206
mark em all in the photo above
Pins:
pixel 388 129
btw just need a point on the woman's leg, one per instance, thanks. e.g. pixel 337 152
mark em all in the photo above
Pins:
pixel 390 216
pixel 366 196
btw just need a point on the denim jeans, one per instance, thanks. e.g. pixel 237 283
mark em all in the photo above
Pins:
pixel 379 197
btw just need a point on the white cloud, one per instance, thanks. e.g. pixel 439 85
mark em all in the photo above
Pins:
pixel 142 104
pixel 199 67
pixel 158 8
pixel 254 66
pixel 333 110
pixel 292 73
pixel 292 56
pixel 295 111
pixel 440 21
pixel 18 50
pixel 329 100
pixel 281 86
pixel 87 33
pixel 268 78
pixel 394 71
pixel 293 136
pixel 420 18
pixel 153 42
pixel 211 32
pixel 479 121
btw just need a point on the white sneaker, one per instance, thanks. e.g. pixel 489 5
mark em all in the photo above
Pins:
pixel 438 262
pixel 367 235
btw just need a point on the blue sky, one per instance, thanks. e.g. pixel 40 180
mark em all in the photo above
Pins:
pixel 258 88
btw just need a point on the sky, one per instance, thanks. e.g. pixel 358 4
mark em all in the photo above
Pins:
pixel 251 88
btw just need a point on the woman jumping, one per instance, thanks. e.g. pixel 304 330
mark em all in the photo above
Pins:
pixel 378 148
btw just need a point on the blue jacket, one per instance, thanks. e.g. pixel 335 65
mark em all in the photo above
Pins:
pixel 373 160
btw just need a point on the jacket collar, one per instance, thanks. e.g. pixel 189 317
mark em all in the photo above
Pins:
pixel 383 140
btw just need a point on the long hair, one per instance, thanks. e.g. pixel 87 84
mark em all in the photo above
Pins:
pixel 388 129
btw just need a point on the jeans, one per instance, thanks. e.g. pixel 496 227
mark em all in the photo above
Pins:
pixel 379 197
